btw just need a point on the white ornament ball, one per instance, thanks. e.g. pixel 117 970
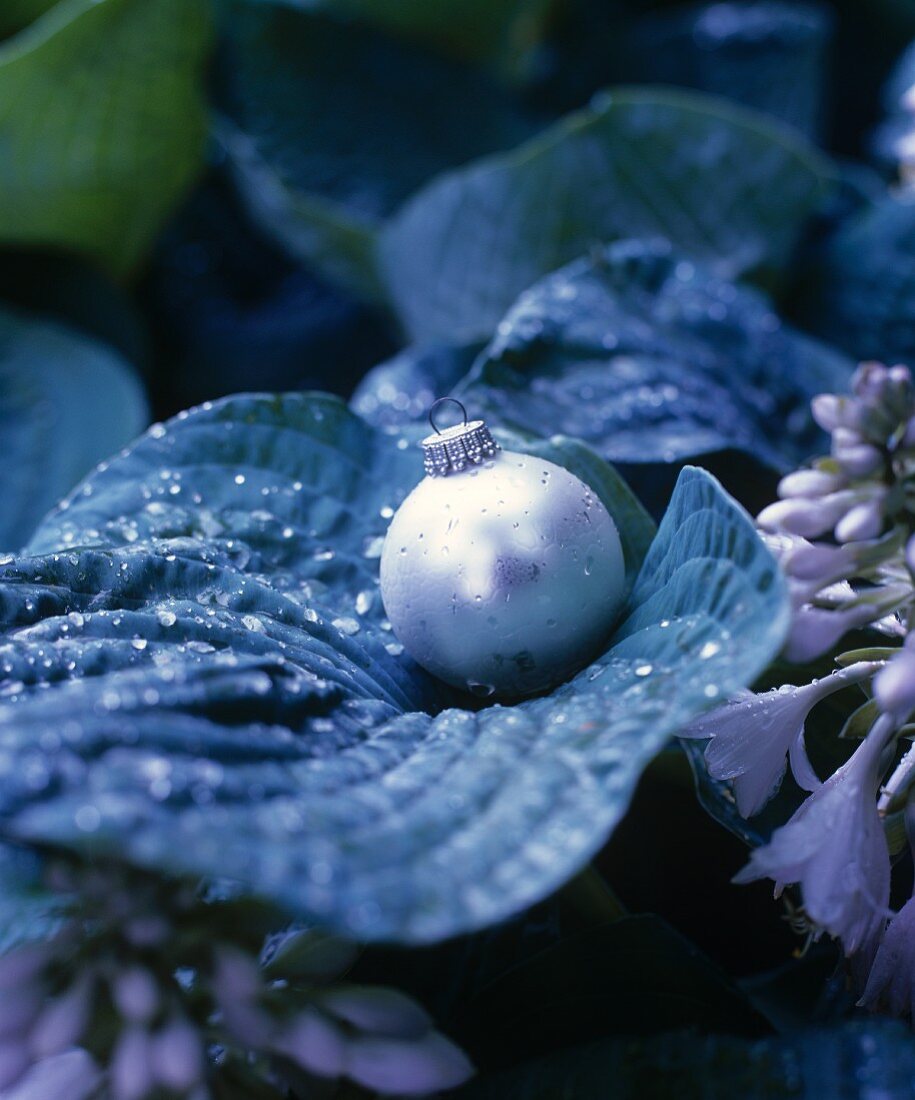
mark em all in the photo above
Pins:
pixel 502 578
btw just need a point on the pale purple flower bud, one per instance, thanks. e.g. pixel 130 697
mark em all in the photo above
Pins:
pixel 135 994
pixel 815 630
pixel 846 437
pixel 817 562
pixel 176 1055
pixel 237 976
pixel 378 1010
pixel 809 483
pixel 22 965
pixel 835 848
pixel 752 735
pixel 862 521
pixel 63 1022
pixel 809 518
pixel 314 1043
pixel 130 1074
pixel 405 1067
pixel 891 982
pixel 859 459
pixel 72 1075
pixel 14 1061
pixel 894 685
pixel 829 410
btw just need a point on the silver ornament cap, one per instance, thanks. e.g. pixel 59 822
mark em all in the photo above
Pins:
pixel 452 450
pixel 501 573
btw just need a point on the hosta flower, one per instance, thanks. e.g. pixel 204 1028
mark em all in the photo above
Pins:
pixel 835 848
pixel 891 982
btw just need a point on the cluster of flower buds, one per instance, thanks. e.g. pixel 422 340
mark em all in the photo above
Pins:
pixel 843 533
pixel 150 980
pixel 842 527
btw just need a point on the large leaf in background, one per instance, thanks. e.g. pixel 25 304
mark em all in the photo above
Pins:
pixel 727 186
pixel 115 87
pixel 653 360
pixel 222 699
pixel 857 1061
pixel 500 33
pixel 862 293
pixel 65 404
pixel 322 158
pixel 771 56
pixel 401 390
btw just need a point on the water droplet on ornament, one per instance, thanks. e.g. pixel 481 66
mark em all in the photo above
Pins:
pixel 643 670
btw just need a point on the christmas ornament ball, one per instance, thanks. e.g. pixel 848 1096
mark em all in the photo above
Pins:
pixel 501 573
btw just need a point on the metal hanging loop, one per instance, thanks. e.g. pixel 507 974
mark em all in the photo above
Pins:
pixel 437 405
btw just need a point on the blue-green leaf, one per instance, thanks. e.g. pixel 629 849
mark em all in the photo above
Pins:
pixel 653 360
pixel 322 158
pixel 725 185
pixel 190 685
pixel 66 403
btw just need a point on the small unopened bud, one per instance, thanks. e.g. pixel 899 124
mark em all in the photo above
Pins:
pixel 314 1043
pixel 863 521
pixel 894 685
pixel 135 994
pixel 62 1023
pixel 859 459
pixel 809 518
pixel 828 410
pixel 816 562
pixel 176 1056
pixel 809 483
pixel 131 1077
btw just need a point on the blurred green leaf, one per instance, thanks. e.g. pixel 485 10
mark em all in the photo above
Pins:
pixel 725 185
pixel 16 14
pixel 67 403
pixel 102 124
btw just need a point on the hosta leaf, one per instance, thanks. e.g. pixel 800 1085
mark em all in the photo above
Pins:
pixel 855 1061
pixel 864 290
pixel 402 390
pixel 322 158
pixel 220 702
pixel 67 403
pixel 652 360
pixel 725 185
pixel 115 85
